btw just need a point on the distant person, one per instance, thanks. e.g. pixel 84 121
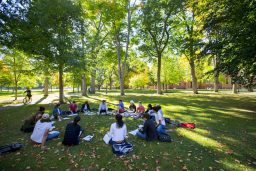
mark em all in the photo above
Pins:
pixel 149 129
pixel 118 131
pixel 29 93
pixel 73 107
pixel 103 108
pixel 140 108
pixel 151 112
pixel 57 113
pixel 29 124
pixel 73 132
pixel 120 106
pixel 132 106
pixel 42 131
pixel 85 107
pixel 159 118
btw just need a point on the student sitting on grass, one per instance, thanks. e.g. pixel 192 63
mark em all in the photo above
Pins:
pixel 57 112
pixel 42 130
pixel 29 124
pixel 103 108
pixel 118 131
pixel 132 106
pixel 73 107
pixel 159 118
pixel 120 106
pixel 85 107
pixel 149 129
pixel 73 132
pixel 140 108
pixel 151 112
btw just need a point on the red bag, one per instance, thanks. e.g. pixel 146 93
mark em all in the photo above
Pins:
pixel 188 125
pixel 121 110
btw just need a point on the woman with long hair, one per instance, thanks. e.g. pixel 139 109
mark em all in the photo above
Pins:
pixel 118 131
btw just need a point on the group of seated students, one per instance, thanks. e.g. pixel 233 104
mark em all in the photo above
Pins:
pixel 41 125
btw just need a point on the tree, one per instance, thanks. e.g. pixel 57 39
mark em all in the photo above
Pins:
pixel 156 27
pixel 18 64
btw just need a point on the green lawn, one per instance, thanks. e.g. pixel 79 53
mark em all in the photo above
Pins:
pixel 224 138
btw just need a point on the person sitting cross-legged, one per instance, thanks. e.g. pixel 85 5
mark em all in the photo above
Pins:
pixel 73 132
pixel 132 107
pixel 149 129
pixel 118 131
pixel 57 113
pixel 159 118
pixel 85 107
pixel 73 107
pixel 42 131
pixel 103 108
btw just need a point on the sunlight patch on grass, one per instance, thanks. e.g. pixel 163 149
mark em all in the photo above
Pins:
pixel 235 165
pixel 200 139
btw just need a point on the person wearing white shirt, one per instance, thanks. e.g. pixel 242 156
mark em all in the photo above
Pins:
pixel 103 108
pixel 41 132
pixel 118 131
pixel 159 117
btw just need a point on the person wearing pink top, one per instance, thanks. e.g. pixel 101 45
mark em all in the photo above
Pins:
pixel 140 108
pixel 73 107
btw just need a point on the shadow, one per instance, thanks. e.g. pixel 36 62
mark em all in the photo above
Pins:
pixel 40 100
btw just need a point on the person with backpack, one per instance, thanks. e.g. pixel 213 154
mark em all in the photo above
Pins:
pixel 118 131
pixel 42 131
pixel 73 132
pixel 149 130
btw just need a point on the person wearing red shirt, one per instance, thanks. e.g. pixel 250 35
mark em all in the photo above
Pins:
pixel 73 107
pixel 140 108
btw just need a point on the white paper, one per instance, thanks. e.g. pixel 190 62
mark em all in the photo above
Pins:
pixel 134 132
pixel 75 114
pixel 88 138
pixel 107 138
pixel 65 118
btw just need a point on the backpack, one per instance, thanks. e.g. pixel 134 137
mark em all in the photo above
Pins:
pixel 188 125
pixel 122 149
pixel 164 138
pixel 10 148
pixel 167 120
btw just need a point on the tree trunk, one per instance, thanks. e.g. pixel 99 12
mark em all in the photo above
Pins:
pixel 250 89
pixel 84 86
pixel 46 85
pixel 92 85
pixel 193 74
pixel 235 86
pixel 73 87
pixel 216 75
pixel 159 57
pixel 120 73
pixel 61 86
pixel 107 89
pixel 16 90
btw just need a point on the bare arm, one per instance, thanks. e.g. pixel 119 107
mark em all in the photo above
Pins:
pixel 45 137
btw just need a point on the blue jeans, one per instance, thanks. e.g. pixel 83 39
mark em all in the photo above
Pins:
pixel 53 135
pixel 161 129
pixel 141 135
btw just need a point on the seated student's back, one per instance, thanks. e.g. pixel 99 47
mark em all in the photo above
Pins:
pixel 72 132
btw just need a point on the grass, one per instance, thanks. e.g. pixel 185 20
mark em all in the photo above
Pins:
pixel 224 138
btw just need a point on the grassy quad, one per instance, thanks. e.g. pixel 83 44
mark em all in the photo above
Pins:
pixel 223 140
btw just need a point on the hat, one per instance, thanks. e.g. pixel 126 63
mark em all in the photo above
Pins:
pixel 45 116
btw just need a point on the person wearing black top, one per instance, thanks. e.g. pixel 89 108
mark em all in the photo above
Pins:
pixel 85 107
pixel 149 129
pixel 72 132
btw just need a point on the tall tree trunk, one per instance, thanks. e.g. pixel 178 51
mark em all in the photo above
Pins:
pixel 159 57
pixel 250 88
pixel 16 90
pixel 73 88
pixel 61 86
pixel 120 73
pixel 235 88
pixel 216 75
pixel 193 74
pixel 84 86
pixel 92 85
pixel 46 85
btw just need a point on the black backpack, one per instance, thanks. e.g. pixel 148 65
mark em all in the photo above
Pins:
pixel 164 138
pixel 10 148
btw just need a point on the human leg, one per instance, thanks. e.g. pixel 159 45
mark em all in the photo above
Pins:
pixel 161 129
pixel 141 135
pixel 52 135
